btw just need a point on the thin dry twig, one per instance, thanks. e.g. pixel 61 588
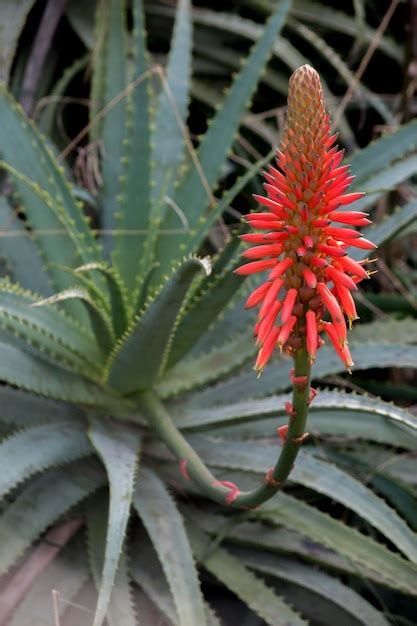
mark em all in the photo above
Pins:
pixel 55 604
pixel 156 70
pixel 383 267
pixel 365 61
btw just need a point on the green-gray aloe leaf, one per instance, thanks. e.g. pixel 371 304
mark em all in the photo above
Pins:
pixel 109 81
pixel 164 525
pixel 47 328
pixel 192 195
pixel 329 593
pixel 118 449
pixel 382 181
pixel 335 413
pixel 223 204
pixel 37 448
pixel 26 152
pixel 141 353
pixel 354 546
pixel 239 579
pixel 382 152
pixel 120 609
pixel 117 293
pixel 132 250
pixel 34 374
pixel 388 229
pixel 253 410
pixel 27 409
pixel 100 324
pixel 341 22
pixel 214 295
pixel 276 377
pixel 171 113
pixel 210 366
pixel 40 504
pixel 277 540
pixel 146 571
pixel 323 477
pixel 23 260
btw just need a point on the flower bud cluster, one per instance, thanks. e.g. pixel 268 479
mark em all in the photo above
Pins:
pixel 304 233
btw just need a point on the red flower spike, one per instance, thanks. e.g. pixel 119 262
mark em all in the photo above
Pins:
pixel 308 242
pixel 250 217
pixel 304 248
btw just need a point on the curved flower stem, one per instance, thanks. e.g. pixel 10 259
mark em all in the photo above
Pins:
pixel 198 472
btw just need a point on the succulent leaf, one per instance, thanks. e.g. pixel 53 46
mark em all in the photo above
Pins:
pixel 28 154
pixel 140 355
pixel 239 579
pixel 119 451
pixel 110 60
pixel 132 250
pixel 395 571
pixel 312 580
pixel 100 324
pixel 23 261
pixel 40 504
pixel 171 112
pixel 37 448
pixel 192 193
pixel 155 506
pixel 318 475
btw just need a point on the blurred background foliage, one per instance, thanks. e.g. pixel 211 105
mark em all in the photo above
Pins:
pixel 363 448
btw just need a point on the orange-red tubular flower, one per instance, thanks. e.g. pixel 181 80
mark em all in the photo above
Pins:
pixel 304 236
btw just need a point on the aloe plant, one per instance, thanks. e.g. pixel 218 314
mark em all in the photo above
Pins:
pixel 108 333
